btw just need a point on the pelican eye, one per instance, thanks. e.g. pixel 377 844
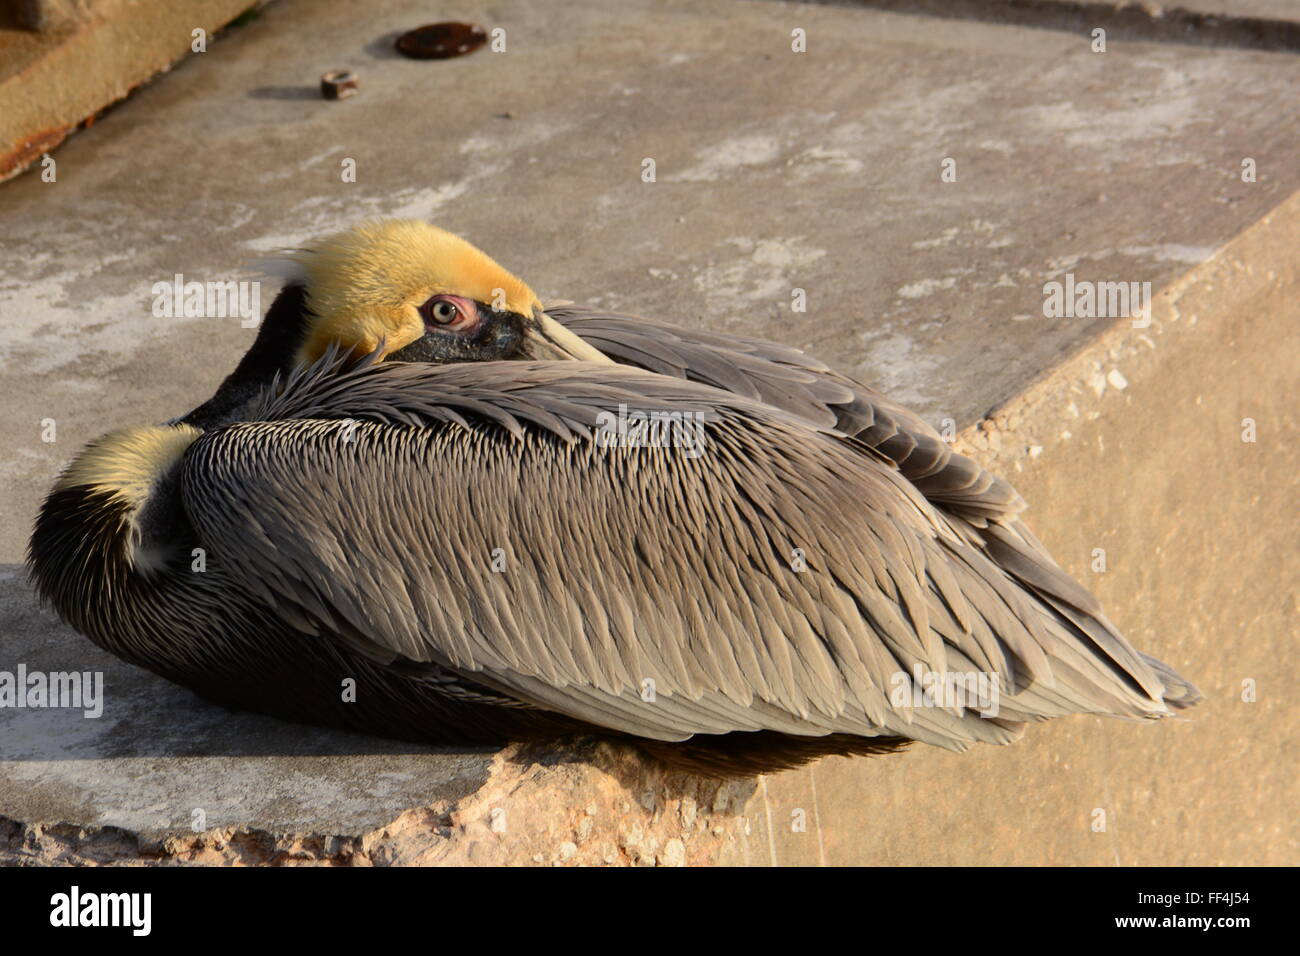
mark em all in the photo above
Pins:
pixel 441 311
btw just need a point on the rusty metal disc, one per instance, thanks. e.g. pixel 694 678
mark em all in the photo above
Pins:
pixel 441 41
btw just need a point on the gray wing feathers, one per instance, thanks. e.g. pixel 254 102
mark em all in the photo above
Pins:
pixel 624 565
pixel 798 383
pixel 984 505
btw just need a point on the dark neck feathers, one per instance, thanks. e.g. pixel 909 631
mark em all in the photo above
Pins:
pixel 281 335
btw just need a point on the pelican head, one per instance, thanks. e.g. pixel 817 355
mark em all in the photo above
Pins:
pixel 422 294
pixel 401 288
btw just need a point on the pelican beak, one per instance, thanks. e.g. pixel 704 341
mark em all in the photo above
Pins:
pixel 548 341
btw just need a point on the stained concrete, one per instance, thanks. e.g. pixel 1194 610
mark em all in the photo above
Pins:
pixel 775 170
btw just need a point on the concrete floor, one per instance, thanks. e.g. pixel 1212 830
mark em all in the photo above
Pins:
pixel 775 170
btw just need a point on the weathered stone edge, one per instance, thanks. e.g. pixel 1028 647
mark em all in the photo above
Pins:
pixel 94 64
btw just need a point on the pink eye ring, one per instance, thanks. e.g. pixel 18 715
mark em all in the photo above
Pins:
pixel 448 311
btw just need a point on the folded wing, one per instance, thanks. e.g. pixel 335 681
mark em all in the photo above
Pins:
pixel 762 573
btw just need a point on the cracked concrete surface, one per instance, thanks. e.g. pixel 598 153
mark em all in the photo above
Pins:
pixel 774 171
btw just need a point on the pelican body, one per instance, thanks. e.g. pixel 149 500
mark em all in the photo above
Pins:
pixel 400 515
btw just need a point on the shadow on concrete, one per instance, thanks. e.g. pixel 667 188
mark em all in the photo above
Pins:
pixel 285 93
pixel 382 48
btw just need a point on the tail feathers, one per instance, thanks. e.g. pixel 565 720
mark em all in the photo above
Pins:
pixel 1015 549
pixel 1179 693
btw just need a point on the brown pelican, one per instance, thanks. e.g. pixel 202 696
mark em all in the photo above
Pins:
pixel 474 553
